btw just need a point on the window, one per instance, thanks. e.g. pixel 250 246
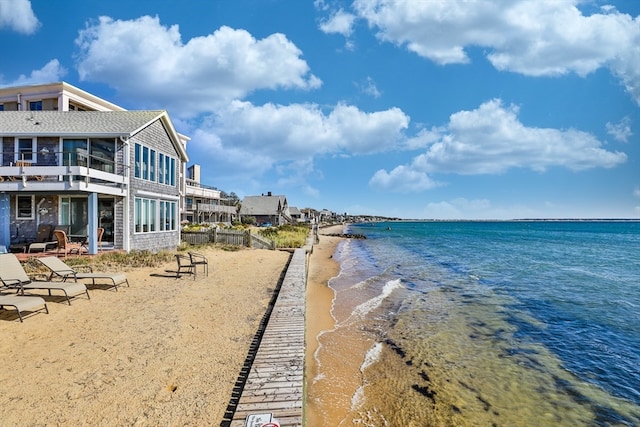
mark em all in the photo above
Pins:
pixel 74 152
pixel 25 149
pixel 102 154
pixel 147 211
pixel 25 207
pixel 152 165
pixel 168 219
pixel 160 168
pixel 35 105
pixel 138 160
pixel 1 107
pixel 74 211
pixel 164 171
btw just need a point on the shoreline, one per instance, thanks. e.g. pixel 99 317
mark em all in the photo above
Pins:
pixel 319 302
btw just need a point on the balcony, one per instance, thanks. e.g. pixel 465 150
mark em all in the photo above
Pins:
pixel 62 172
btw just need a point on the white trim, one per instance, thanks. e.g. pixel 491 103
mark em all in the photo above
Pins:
pixel 142 193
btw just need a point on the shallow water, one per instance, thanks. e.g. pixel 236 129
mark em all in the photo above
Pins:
pixel 481 323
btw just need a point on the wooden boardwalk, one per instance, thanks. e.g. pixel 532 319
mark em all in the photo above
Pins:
pixel 274 383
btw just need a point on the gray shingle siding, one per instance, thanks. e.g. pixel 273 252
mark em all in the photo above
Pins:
pixel 156 137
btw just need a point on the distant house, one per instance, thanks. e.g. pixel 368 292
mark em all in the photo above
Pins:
pixel 204 204
pixel 267 209
pixel 118 170
pixel 296 215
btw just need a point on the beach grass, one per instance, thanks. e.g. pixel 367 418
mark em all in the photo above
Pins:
pixel 286 236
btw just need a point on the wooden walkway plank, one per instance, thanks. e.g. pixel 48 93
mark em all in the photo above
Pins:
pixel 274 384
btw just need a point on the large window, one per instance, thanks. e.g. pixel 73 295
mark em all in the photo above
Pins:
pixel 154 215
pixel 74 212
pixel 25 207
pixel 35 105
pixel 25 147
pixel 74 152
pixel 145 166
pixel 102 154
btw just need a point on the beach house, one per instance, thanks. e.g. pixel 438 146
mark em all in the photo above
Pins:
pixel 115 170
pixel 267 210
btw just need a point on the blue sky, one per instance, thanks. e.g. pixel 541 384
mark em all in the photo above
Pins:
pixel 488 109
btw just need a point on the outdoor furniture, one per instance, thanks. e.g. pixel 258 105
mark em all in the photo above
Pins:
pixel 65 245
pixel 60 269
pixel 13 276
pixel 199 259
pixel 43 239
pixel 184 266
pixel 23 303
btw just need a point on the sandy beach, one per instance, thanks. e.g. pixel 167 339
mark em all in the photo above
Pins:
pixel 322 268
pixel 163 352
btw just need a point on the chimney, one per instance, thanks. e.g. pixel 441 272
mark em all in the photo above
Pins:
pixel 269 193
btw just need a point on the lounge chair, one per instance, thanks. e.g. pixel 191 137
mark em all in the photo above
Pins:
pixel 13 276
pixel 23 303
pixel 60 269
pixel 65 245
pixel 43 239
pixel 199 259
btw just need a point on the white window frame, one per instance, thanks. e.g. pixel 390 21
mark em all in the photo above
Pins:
pixel 33 209
pixel 17 152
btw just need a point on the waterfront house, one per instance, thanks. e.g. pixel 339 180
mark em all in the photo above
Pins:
pixel 118 170
pixel 269 209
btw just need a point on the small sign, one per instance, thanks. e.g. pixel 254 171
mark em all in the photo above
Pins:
pixel 258 420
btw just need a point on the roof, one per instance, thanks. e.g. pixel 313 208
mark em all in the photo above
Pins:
pixel 262 205
pixel 85 123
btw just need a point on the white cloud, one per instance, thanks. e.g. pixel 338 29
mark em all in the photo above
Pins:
pixel 340 22
pixel 491 140
pixel 18 16
pixel 51 72
pixel 143 59
pixel 621 131
pixel 250 140
pixel 402 179
pixel 535 38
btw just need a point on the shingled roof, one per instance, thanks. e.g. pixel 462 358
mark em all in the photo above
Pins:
pixel 262 205
pixel 84 123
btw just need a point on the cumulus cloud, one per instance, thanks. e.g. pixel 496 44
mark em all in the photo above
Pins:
pixel 257 138
pixel 51 72
pixel 142 58
pixel 621 131
pixel 18 16
pixel 535 38
pixel 491 140
pixel 402 179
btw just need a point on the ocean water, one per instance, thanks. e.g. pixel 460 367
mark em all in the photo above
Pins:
pixel 483 324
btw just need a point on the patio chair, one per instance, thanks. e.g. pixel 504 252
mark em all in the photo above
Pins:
pixel 199 259
pixel 61 270
pixel 23 303
pixel 43 239
pixel 184 266
pixel 13 276
pixel 65 245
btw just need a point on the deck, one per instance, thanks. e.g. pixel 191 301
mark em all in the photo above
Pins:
pixel 273 386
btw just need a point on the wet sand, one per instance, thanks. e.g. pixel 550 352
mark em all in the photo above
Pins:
pixel 322 268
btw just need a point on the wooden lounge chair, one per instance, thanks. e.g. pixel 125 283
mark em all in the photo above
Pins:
pixel 13 276
pixel 65 245
pixel 23 303
pixel 61 270
pixel 199 259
